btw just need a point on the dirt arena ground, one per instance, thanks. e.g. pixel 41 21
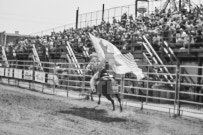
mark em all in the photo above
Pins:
pixel 25 112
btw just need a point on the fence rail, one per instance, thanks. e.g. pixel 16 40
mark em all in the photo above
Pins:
pixel 150 91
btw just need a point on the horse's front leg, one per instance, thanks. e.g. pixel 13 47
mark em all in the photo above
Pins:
pixel 99 99
pixel 91 96
pixel 119 100
pixel 110 99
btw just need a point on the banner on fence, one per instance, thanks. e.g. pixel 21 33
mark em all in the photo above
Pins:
pixel 39 76
pixel 28 74
pixel 18 73
pixel 52 79
pixel 9 72
pixel 1 71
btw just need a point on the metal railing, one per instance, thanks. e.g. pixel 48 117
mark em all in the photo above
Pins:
pixel 148 92
pixel 95 18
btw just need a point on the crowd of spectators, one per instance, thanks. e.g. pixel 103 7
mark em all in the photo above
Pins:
pixel 176 27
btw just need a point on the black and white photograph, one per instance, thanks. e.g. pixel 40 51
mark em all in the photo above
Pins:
pixel 101 67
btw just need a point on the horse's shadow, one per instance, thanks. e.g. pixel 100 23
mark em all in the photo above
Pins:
pixel 92 114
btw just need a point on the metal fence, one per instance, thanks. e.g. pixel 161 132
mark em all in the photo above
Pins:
pixel 190 93
pixel 155 89
pixel 95 18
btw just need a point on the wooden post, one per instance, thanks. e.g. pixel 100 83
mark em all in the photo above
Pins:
pixel 83 80
pixel 76 24
pixel 103 12
pixel 136 1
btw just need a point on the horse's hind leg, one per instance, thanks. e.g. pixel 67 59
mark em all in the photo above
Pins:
pixel 91 96
pixel 99 99
pixel 109 98
pixel 119 100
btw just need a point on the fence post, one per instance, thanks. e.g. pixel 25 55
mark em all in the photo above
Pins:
pixel 176 100
pixel 147 84
pixel 17 78
pixel 142 48
pixel 33 75
pixel 68 78
pixel 8 72
pixel 178 96
pixel 54 74
pixel 76 24
pixel 122 84
pixel 122 87
pixel 43 83
pixel 28 63
pixel 102 12
pixel 83 80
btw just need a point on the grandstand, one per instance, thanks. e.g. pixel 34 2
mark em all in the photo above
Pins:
pixel 165 43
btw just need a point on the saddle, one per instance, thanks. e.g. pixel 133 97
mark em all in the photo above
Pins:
pixel 112 85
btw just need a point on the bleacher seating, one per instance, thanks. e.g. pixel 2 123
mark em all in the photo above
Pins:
pixel 181 30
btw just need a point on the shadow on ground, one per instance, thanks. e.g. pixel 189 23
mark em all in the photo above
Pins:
pixel 92 114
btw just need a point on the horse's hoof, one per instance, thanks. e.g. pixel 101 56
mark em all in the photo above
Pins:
pixel 98 103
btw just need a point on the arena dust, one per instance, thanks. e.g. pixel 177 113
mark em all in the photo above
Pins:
pixel 25 112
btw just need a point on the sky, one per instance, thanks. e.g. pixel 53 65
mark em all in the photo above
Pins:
pixel 31 16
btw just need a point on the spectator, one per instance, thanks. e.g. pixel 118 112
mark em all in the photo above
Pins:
pixel 174 27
